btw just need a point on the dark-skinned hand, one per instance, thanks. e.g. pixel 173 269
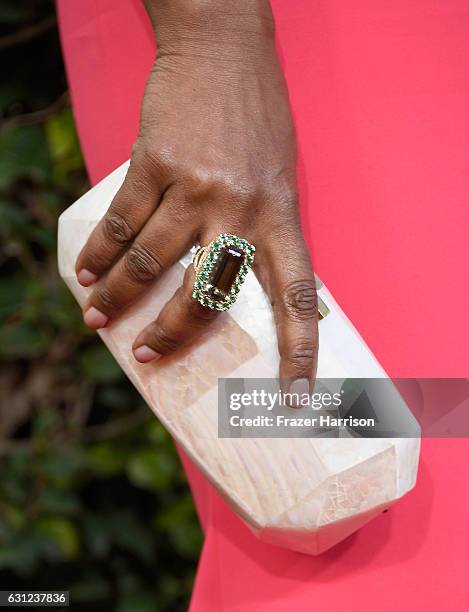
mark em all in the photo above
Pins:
pixel 216 153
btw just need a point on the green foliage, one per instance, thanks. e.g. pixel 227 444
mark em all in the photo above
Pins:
pixel 92 495
pixel 22 154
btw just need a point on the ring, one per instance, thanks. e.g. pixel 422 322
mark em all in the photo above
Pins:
pixel 221 268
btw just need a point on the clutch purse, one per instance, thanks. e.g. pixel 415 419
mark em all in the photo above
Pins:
pixel 305 494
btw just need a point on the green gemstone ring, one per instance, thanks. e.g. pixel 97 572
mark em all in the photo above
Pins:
pixel 221 269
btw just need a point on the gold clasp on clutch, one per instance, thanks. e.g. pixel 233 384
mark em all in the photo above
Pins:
pixel 323 310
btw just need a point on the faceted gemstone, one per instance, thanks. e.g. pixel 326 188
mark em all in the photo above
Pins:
pixel 225 271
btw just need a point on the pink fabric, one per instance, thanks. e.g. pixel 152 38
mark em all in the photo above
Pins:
pixel 380 95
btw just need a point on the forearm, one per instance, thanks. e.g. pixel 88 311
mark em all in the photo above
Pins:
pixel 213 24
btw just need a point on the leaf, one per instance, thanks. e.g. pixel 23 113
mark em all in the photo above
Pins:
pixel 58 501
pixel 157 433
pixel 61 310
pixel 138 601
pixel 21 340
pixel 105 459
pixel 45 422
pixel 119 398
pixel 12 516
pixel 98 365
pixel 62 533
pixel 187 540
pixel 61 466
pixel 13 485
pixel 13 292
pixel 131 535
pixel 179 520
pixel 13 219
pixel 23 154
pixel 20 556
pixel 63 145
pixel 44 236
pixel 151 470
pixel 90 588
pixel 97 534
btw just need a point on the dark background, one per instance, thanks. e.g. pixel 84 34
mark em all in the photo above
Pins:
pixel 92 496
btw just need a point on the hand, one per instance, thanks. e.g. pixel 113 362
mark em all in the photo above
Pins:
pixel 216 153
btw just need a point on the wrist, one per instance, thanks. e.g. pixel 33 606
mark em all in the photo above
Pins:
pixel 183 26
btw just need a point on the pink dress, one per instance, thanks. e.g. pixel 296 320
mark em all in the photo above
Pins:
pixel 380 95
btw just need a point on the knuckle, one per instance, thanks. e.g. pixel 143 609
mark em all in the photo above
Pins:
pixel 142 265
pixel 106 300
pixel 163 342
pixel 300 300
pixel 116 228
pixel 302 356
pixel 245 191
pixel 285 195
pixel 197 312
pixel 141 153
pixel 207 184
pixel 152 159
pixel 204 186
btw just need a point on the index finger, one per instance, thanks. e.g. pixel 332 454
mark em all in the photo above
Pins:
pixel 128 213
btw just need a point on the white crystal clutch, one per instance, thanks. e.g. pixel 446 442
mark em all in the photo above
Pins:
pixel 306 494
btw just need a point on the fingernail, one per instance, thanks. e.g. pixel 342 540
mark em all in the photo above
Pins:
pixel 95 318
pixel 86 278
pixel 144 354
pixel 298 390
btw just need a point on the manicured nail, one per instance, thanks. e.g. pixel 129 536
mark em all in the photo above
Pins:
pixel 95 318
pixel 86 278
pixel 144 354
pixel 298 390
